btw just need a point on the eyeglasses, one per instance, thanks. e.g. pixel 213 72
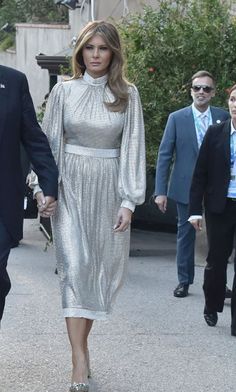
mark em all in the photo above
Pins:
pixel 206 89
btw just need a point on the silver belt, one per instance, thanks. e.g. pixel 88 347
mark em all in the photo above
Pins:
pixel 93 152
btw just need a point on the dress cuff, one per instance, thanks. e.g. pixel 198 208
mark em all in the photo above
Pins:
pixel 128 204
pixel 36 189
pixel 32 180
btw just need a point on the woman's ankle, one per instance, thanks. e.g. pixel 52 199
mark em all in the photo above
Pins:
pixel 80 367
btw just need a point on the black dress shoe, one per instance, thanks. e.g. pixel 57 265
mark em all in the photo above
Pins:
pixel 181 290
pixel 211 318
pixel 228 292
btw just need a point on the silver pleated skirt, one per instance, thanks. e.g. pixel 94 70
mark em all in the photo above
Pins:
pixel 91 258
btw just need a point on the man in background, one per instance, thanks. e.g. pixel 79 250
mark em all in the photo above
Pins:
pixel 178 152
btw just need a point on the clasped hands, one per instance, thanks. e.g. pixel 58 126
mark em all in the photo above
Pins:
pixel 46 205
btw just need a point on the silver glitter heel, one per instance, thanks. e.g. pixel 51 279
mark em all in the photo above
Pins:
pixel 76 387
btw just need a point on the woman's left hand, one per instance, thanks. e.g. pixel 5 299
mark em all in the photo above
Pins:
pixel 123 219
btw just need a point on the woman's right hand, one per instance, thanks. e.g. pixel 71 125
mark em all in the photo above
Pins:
pixel 123 219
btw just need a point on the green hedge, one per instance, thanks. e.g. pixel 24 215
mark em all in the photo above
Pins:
pixel 165 46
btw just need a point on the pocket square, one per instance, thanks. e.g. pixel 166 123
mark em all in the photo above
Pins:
pixel 2 85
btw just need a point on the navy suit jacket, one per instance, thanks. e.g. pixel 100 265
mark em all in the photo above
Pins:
pixel 212 172
pixel 18 124
pixel 178 153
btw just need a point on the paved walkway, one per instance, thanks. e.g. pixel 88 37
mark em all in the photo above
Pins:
pixel 152 342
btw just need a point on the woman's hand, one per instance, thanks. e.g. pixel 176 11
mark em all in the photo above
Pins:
pixel 123 219
pixel 197 224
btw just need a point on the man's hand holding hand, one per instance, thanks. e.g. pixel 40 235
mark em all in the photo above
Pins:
pixel 46 205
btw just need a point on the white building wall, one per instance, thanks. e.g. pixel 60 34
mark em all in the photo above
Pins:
pixel 32 40
pixel 106 9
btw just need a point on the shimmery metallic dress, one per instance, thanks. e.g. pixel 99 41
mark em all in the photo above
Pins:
pixel 94 182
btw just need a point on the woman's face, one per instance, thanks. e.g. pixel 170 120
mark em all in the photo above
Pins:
pixel 97 56
pixel 232 106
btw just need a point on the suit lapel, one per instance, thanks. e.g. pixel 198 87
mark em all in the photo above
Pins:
pixel 189 122
pixel 216 119
pixel 3 102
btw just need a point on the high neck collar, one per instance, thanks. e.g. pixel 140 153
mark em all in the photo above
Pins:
pixel 95 81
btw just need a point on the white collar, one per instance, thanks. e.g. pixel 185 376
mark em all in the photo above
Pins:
pixel 233 130
pixel 200 114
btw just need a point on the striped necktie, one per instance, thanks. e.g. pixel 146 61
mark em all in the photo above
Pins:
pixel 203 126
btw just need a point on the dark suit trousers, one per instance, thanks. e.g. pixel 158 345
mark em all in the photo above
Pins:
pixel 185 245
pixel 220 233
pixel 5 247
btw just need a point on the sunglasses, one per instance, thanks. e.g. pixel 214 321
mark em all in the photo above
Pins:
pixel 206 89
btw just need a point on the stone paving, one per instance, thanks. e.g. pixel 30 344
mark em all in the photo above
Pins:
pixel 152 341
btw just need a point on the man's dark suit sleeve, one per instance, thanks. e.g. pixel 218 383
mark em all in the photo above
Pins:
pixel 36 145
pixel 199 179
pixel 165 156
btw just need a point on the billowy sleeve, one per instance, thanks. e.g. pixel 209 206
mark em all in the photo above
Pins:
pixel 132 171
pixel 52 124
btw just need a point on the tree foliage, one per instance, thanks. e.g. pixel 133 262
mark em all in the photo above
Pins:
pixel 43 11
pixel 165 46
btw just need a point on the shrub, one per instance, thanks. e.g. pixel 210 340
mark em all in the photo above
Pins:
pixel 7 42
pixel 165 46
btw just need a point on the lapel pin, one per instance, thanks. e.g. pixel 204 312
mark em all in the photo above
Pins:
pixel 218 121
pixel 2 85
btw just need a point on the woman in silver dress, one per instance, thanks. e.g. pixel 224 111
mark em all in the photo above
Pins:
pixel 94 124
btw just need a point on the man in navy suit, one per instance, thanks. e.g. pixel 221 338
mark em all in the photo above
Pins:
pixel 214 185
pixel 178 151
pixel 18 125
